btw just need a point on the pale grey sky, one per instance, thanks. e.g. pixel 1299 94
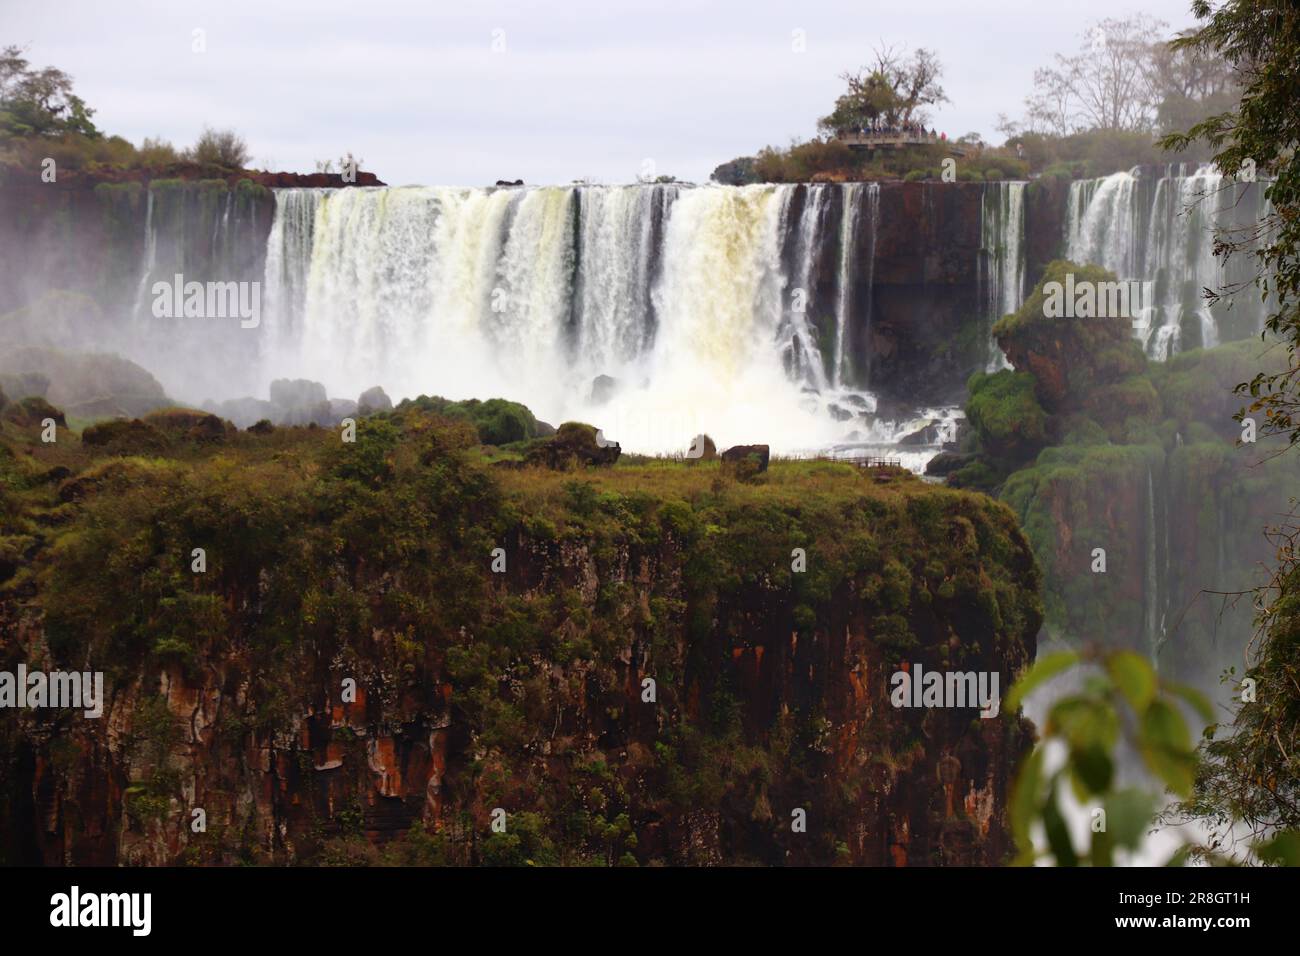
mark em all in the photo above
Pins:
pixel 584 88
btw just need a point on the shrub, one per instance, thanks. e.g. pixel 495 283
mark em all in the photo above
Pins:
pixel 219 148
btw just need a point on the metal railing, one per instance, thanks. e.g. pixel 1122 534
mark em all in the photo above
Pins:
pixel 872 139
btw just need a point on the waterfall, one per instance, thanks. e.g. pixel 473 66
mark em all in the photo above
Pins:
pixel 150 257
pixel 728 310
pixel 1160 228
pixel 1002 247
pixel 620 234
pixel 853 200
pixel 799 343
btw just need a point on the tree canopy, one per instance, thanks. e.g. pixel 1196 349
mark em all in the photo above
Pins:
pixel 39 102
pixel 895 88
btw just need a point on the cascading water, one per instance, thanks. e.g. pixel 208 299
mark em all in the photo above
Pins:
pixel 861 201
pixel 1002 247
pixel 799 346
pixel 712 308
pixel 1160 229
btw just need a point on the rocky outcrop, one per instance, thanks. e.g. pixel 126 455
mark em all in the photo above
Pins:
pixel 85 385
pixel 374 400
pixel 755 456
pixel 299 402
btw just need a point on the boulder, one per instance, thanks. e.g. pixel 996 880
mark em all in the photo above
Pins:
pixel 603 388
pixel 341 408
pixel 91 381
pixel 946 462
pixel 702 448
pixel 757 454
pixel 574 445
pixel 299 401
pixel 935 433
pixel 374 400
pixel 297 393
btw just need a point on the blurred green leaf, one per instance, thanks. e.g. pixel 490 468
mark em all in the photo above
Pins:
pixel 1084 722
pixel 1025 800
pixel 1281 850
pixel 1129 813
pixel 1044 669
pixel 1058 834
pixel 1166 747
pixel 1134 676
pixel 1200 703
pixel 1092 771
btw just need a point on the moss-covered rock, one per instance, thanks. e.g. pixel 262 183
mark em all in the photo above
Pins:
pixel 1069 356
pixel 1003 409
pixel 574 445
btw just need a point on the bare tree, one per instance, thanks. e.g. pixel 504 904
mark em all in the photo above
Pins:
pixel 1109 84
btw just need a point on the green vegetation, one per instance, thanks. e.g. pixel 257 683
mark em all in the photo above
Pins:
pixel 374 559
pixel 1094 447
pixel 1091 113
pixel 39 102
pixel 498 421
pixel 42 118
pixel 1122 701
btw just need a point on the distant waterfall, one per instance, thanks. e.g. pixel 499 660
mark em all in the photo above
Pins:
pixel 199 233
pixel 1160 228
pixel 1002 247
pixel 730 310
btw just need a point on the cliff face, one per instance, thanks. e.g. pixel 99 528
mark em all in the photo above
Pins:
pixel 923 269
pixel 927 315
pixel 85 232
pixel 522 689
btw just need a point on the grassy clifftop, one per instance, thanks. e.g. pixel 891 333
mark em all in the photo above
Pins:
pixel 500 623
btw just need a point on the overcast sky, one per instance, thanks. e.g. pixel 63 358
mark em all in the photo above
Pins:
pixel 584 88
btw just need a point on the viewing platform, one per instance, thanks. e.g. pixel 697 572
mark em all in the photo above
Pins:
pixel 874 141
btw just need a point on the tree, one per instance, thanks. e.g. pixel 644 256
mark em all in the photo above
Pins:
pixel 1106 85
pixel 219 148
pixel 736 172
pixel 895 89
pixel 39 102
pixel 1190 84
